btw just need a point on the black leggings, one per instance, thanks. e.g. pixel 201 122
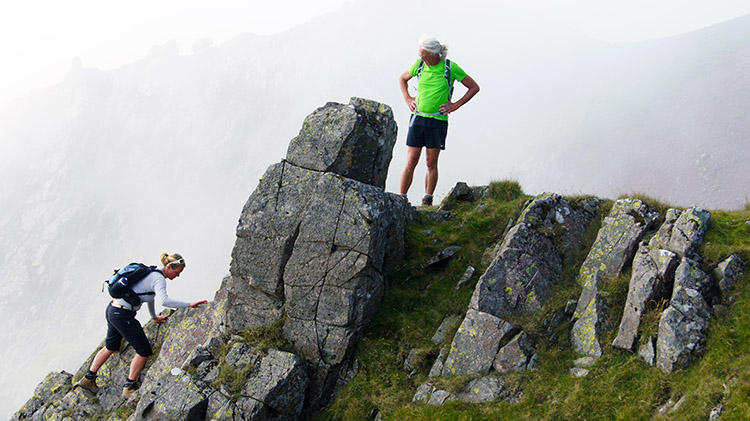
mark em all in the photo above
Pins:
pixel 121 323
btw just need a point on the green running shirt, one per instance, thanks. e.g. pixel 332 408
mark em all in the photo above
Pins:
pixel 432 91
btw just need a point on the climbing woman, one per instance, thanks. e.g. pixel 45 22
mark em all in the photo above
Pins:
pixel 121 322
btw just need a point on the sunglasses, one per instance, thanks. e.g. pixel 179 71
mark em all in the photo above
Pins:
pixel 179 262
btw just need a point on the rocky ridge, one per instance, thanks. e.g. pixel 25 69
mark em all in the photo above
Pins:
pixel 315 244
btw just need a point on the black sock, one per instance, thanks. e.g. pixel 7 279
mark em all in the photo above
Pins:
pixel 90 375
pixel 130 383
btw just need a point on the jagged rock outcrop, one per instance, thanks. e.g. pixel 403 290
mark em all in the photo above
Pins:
pixel 653 273
pixel 682 231
pixel 315 242
pixel 519 279
pixel 683 325
pixel 613 248
pixel 174 340
pixel 317 245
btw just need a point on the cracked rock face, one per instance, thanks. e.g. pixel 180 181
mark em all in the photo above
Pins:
pixel 682 232
pixel 653 271
pixel 353 140
pixel 529 261
pixel 613 248
pixel 318 235
pixel 519 280
pixel 684 324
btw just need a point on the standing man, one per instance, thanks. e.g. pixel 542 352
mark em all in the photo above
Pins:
pixel 428 126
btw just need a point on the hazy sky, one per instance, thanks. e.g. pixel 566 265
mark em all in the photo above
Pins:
pixel 40 38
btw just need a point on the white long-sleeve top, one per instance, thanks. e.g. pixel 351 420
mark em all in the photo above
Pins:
pixel 156 283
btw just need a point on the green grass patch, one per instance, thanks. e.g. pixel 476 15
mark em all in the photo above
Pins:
pixel 620 386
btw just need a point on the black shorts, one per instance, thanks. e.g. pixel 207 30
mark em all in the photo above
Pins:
pixel 121 323
pixel 425 132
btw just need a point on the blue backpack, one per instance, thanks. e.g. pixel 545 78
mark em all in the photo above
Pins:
pixel 121 284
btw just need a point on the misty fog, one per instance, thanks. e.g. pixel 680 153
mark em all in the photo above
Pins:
pixel 160 155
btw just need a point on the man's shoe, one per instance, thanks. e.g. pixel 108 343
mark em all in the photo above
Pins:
pixel 128 391
pixel 427 201
pixel 88 384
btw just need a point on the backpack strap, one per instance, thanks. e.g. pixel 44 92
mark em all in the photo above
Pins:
pixel 153 269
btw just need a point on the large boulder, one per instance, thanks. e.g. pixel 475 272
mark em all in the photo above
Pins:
pixel 653 272
pixel 476 343
pixel 354 140
pixel 613 248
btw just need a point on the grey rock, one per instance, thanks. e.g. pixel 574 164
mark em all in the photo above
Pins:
pixel 570 307
pixel 689 275
pixel 579 372
pixel 584 362
pixel 196 357
pixel 647 351
pixel 590 325
pixel 439 216
pixel 519 279
pixel 727 273
pixel 556 218
pixel 653 271
pixel 208 371
pixel 529 259
pixel 178 397
pixel 461 192
pixel 280 384
pixel 241 355
pixel 515 355
pixel 437 366
pixel 221 408
pixel 443 255
pixel 466 277
pixel 614 246
pixel 440 397
pixel 354 140
pixel 446 325
pixel 423 393
pixel 213 344
pixel 482 390
pixel 253 409
pixel 52 388
pixel 533 362
pixel 682 232
pixel 683 325
pixel 410 362
pixel 316 239
pixel 476 343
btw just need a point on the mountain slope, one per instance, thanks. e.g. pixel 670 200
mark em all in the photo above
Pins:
pixel 121 165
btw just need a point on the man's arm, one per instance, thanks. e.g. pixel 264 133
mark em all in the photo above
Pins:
pixel 403 82
pixel 472 88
